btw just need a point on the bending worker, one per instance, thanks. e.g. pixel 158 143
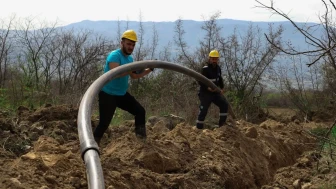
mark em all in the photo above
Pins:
pixel 114 94
pixel 208 95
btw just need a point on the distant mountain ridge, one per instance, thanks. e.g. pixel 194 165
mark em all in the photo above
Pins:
pixel 193 31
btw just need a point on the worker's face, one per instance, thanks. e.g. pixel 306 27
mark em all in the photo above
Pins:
pixel 213 60
pixel 127 46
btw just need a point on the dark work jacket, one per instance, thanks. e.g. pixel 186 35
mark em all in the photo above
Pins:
pixel 214 74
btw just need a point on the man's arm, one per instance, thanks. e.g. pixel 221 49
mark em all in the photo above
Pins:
pixel 205 73
pixel 114 65
pixel 132 74
pixel 135 75
pixel 221 84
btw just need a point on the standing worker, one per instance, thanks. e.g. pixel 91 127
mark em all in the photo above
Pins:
pixel 114 94
pixel 208 95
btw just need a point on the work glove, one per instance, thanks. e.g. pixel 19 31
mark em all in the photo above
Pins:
pixel 212 90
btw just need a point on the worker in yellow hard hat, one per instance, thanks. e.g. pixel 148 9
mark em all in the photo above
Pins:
pixel 114 94
pixel 208 95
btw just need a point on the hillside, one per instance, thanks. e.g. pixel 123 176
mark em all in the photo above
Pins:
pixel 193 31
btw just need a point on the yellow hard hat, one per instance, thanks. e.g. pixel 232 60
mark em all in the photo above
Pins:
pixel 130 34
pixel 214 53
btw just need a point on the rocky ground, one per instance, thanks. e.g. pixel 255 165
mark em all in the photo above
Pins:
pixel 40 150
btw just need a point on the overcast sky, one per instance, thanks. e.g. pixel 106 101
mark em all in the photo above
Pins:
pixel 70 11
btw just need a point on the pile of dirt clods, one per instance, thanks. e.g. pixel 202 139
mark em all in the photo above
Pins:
pixel 40 150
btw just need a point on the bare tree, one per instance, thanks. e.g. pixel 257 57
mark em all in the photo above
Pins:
pixel 212 35
pixel 322 46
pixel 321 50
pixel 118 31
pixel 87 52
pixel 6 47
pixel 60 52
pixel 141 51
pixel 127 24
pixel 32 40
pixel 302 87
pixel 210 41
pixel 246 57
pixel 49 64
pixel 166 53
pixel 329 80
pixel 155 42
pixel 179 40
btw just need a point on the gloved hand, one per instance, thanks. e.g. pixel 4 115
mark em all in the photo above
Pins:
pixel 138 71
pixel 212 90
pixel 152 69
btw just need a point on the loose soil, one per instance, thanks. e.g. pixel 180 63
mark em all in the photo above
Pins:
pixel 40 150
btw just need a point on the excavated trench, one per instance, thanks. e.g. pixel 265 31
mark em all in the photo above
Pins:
pixel 41 150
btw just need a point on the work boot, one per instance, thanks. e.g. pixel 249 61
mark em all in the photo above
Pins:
pixel 140 131
pixel 199 126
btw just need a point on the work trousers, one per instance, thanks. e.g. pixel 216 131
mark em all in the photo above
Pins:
pixel 206 99
pixel 107 106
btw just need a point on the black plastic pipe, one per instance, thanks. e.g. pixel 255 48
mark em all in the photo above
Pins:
pixel 89 147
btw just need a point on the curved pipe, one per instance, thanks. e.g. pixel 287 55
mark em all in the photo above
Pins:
pixel 88 146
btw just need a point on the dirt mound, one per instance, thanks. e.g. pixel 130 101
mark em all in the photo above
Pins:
pixel 41 150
